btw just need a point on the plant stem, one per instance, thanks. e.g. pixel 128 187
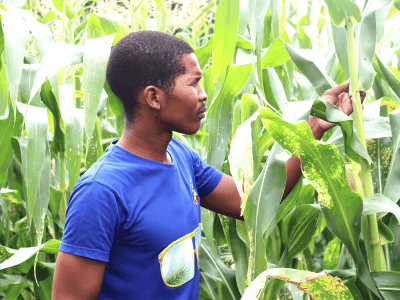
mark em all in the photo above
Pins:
pixel 369 224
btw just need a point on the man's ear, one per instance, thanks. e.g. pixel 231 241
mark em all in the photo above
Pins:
pixel 152 96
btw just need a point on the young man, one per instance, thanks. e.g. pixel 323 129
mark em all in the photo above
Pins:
pixel 132 229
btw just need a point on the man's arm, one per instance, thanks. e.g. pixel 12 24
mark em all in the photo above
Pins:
pixel 225 198
pixel 77 277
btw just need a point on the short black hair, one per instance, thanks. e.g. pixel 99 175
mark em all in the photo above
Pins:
pixel 141 59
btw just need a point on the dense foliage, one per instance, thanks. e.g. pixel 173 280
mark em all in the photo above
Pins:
pixel 265 65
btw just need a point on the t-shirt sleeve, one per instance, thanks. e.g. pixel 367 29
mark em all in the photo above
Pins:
pixel 206 176
pixel 92 221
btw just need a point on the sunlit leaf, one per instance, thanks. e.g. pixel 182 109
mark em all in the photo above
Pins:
pixel 339 10
pixel 95 58
pixel 74 132
pixel 323 167
pixel 15 38
pixel 317 285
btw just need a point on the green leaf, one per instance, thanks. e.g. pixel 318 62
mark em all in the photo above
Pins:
pixel 15 38
pixel 392 188
pixel 340 41
pixel 4 95
pixel 74 131
pixel 58 56
pixel 340 10
pixel 320 81
pixel 36 124
pixel 385 73
pixel 331 255
pixel 207 221
pixel 48 98
pixel 41 32
pixel 25 85
pixel 220 112
pixel 275 55
pixel 302 226
pixel 39 209
pixel 225 32
pixel 239 253
pixel 59 4
pixel 328 112
pixel 366 50
pixel 217 270
pixel 317 285
pixel 256 12
pixel 203 53
pixel 8 128
pixel 95 57
pixel 106 24
pixel 162 16
pixel 388 284
pixel 23 254
pixel 116 108
pixel 261 206
pixel 241 158
pixel 323 167
pixel 379 203
pixel 394 253
pixel 95 150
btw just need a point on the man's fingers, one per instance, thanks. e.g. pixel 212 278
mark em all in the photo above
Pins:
pixel 337 90
pixel 362 94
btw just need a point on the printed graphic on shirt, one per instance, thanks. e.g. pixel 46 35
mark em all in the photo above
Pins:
pixel 195 196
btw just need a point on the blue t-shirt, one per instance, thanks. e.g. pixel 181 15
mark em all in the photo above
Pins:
pixel 126 209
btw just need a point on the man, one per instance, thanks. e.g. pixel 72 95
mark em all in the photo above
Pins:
pixel 133 216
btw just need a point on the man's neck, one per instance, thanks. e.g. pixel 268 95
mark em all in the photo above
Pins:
pixel 146 143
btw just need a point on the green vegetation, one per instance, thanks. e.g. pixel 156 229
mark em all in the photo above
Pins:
pixel 265 65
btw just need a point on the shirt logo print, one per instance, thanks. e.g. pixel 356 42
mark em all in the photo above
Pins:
pixel 195 196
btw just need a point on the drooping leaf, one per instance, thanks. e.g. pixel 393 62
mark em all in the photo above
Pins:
pixel 15 38
pixel 74 132
pixel 95 57
pixel 323 167
pixel 339 10
pixel 219 114
pixel 366 50
pixel 317 285
pixel 58 56
pixel 320 81
pixel 24 254
pixel 340 42
pixel 36 124
pixel 216 269
pixel 261 206
pixel 388 284
pixel 392 189
pixel 379 203
pixel 385 73
pixel 241 159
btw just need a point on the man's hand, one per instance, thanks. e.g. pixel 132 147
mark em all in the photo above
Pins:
pixel 339 97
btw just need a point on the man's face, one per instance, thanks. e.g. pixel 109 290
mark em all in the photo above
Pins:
pixel 183 109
